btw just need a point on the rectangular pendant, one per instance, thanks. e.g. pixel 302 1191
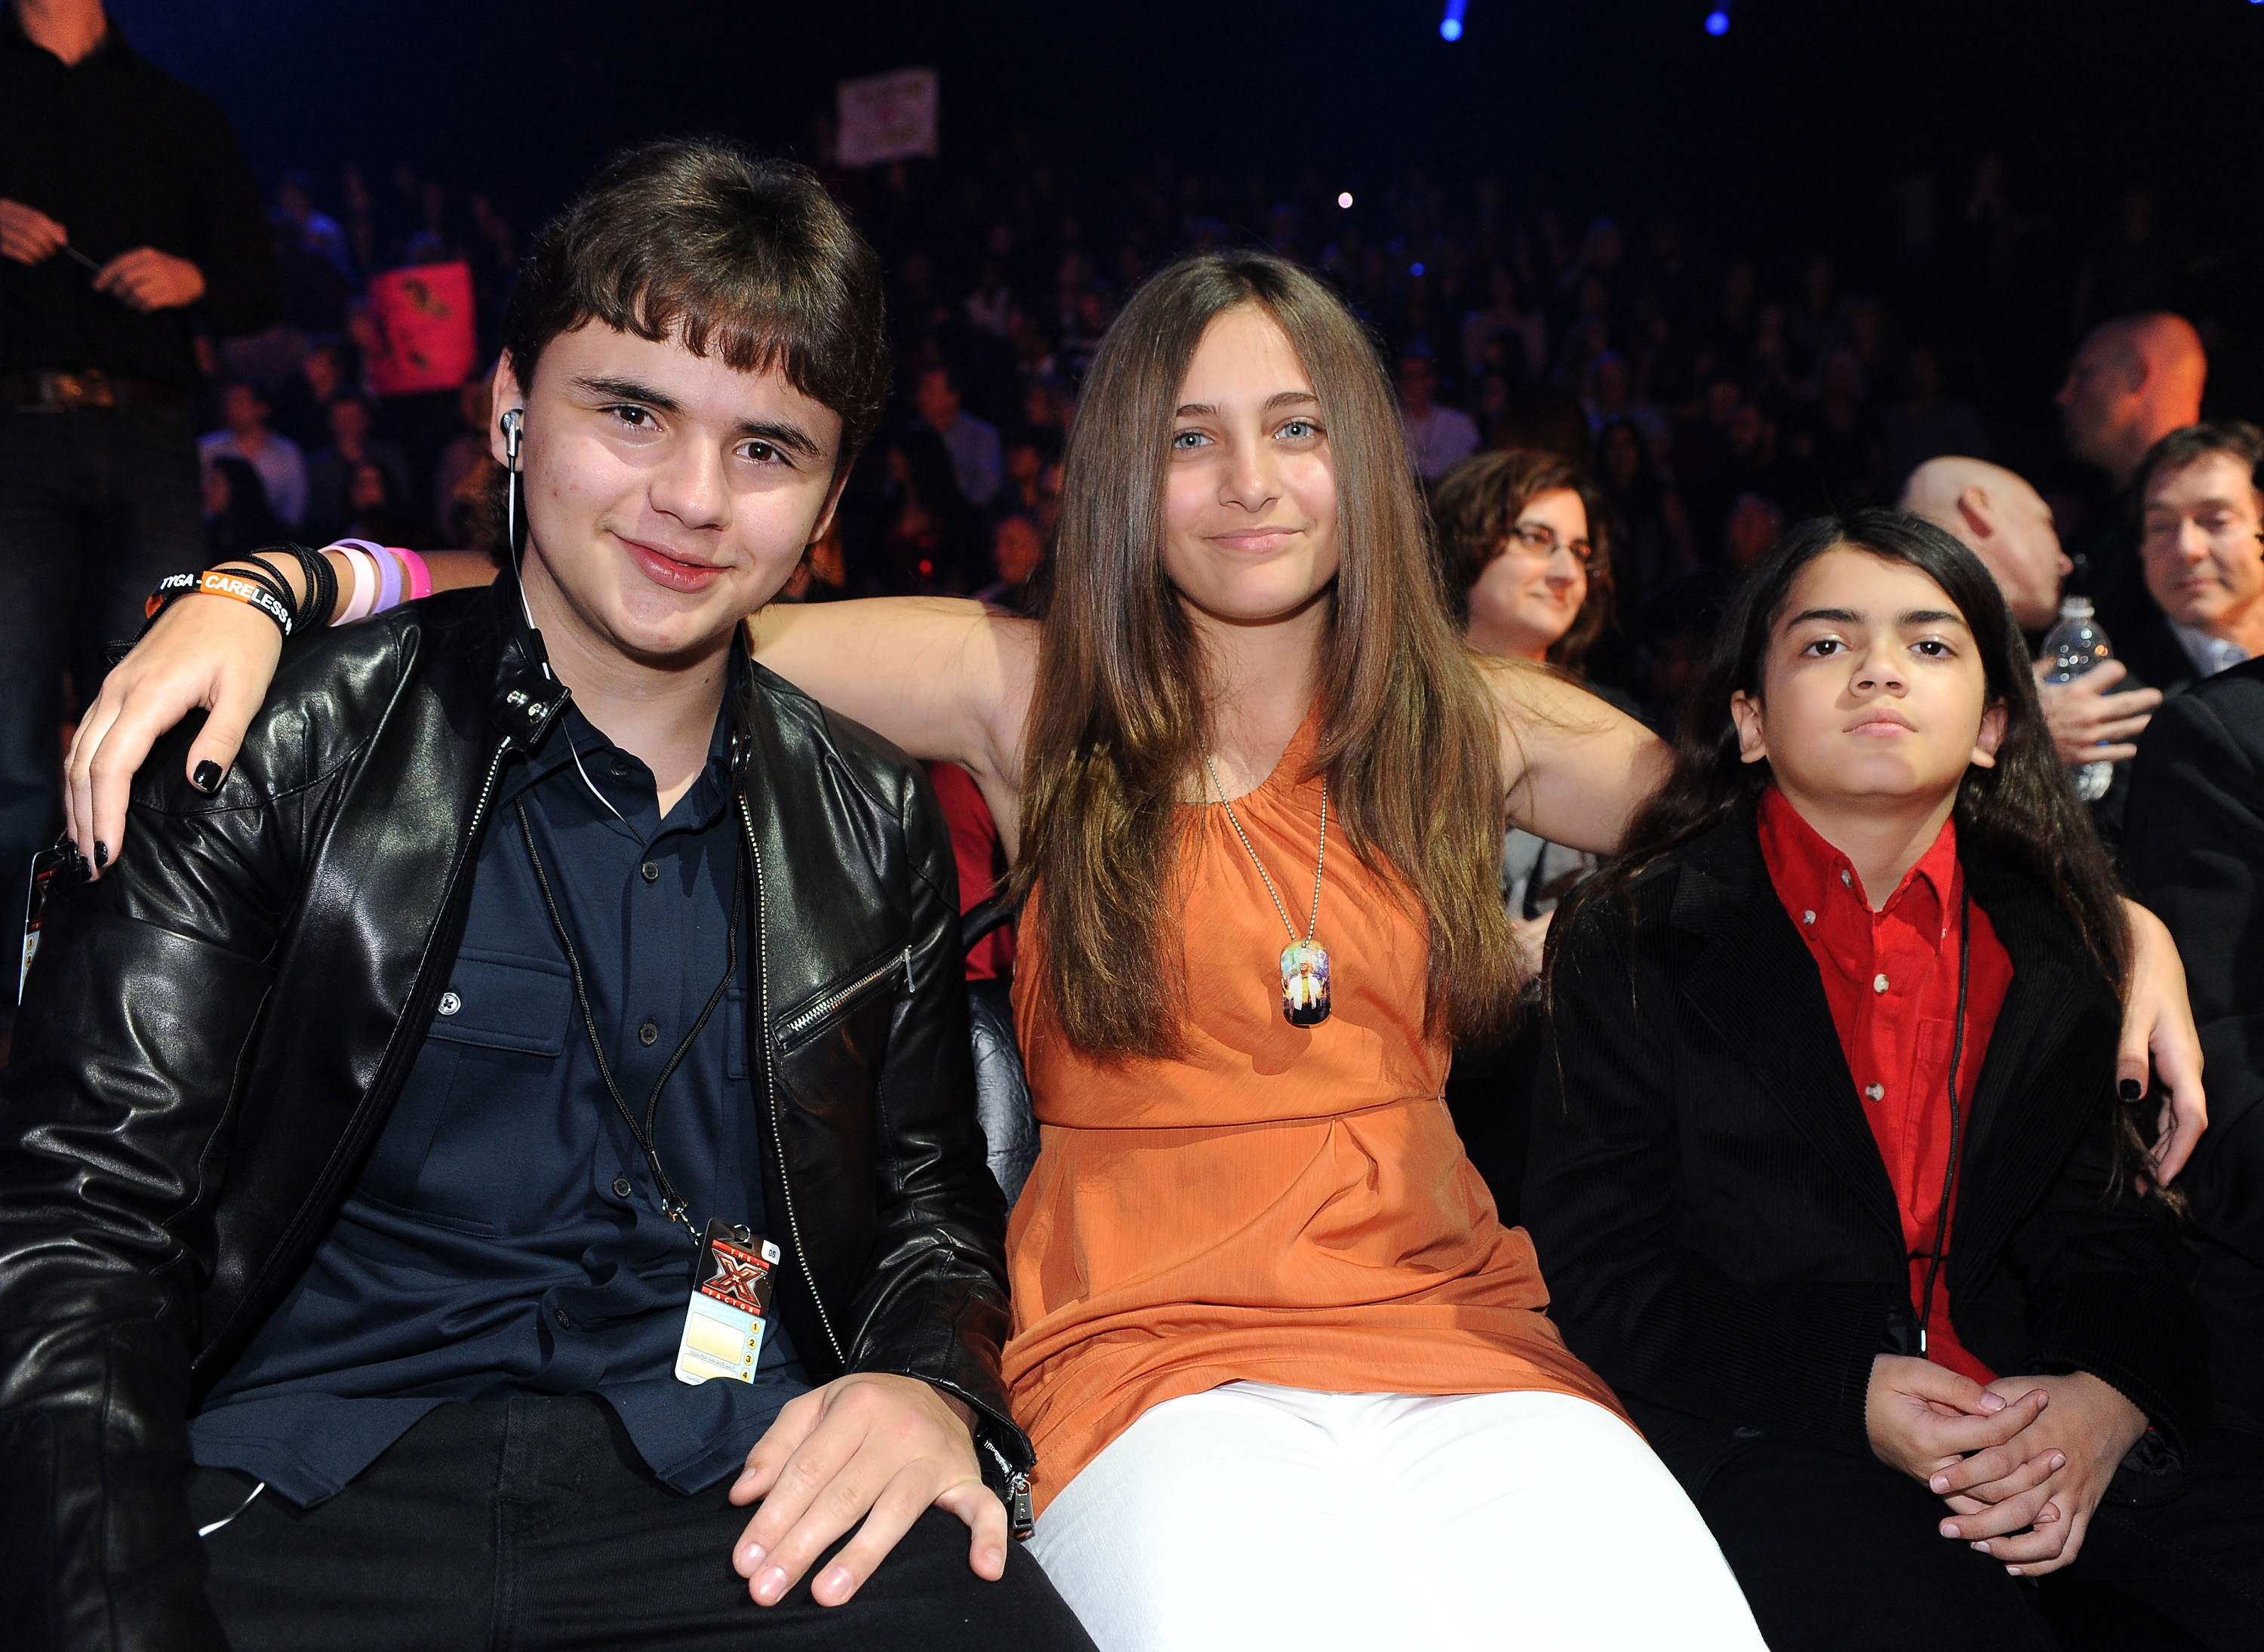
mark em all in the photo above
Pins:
pixel 1305 983
pixel 730 1299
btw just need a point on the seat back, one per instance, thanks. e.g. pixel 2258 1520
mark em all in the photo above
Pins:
pixel 1002 1091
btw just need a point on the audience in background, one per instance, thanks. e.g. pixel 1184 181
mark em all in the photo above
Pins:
pixel 237 519
pixel 1761 380
pixel 972 443
pixel 243 434
pixel 2005 523
pixel 2202 547
pixel 1439 437
pixel 462 475
pixel 2134 380
pixel 331 471
pixel 933 538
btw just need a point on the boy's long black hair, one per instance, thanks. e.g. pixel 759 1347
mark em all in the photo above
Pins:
pixel 2021 813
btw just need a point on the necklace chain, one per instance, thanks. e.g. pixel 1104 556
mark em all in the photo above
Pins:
pixel 1313 924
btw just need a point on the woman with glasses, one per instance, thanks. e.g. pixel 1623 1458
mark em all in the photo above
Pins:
pixel 1522 536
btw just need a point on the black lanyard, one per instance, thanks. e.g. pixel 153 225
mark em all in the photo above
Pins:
pixel 1949 1175
pixel 671 1204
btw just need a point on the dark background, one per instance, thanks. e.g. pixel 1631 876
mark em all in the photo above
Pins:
pixel 1812 126
pixel 1813 106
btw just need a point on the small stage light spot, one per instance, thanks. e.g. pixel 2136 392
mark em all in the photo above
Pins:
pixel 1450 26
pixel 1414 269
pixel 1344 199
pixel 1717 23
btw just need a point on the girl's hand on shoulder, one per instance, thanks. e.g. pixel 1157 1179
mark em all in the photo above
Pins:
pixel 2157 1023
pixel 2030 1503
pixel 204 651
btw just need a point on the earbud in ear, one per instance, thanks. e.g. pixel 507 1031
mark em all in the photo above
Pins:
pixel 514 430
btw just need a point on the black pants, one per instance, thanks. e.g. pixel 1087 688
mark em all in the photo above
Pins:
pixel 97 505
pixel 1844 1553
pixel 530 1523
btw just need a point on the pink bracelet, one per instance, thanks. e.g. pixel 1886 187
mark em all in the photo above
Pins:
pixel 420 578
pixel 363 595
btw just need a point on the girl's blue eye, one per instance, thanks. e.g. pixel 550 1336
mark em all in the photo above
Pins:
pixel 1186 439
pixel 1296 429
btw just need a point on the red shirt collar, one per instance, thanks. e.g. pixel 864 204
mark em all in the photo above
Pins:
pixel 1811 875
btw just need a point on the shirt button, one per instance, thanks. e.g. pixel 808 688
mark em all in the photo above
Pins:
pixel 564 1323
pixel 619 768
pixel 1807 917
pixel 450 1004
pixel 1846 879
pixel 651 871
pixel 1876 1092
pixel 622 1187
pixel 650 1032
pixel 1878 984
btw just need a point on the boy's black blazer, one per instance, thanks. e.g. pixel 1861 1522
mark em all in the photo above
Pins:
pixel 1715 1221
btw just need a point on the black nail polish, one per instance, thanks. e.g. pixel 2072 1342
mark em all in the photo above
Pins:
pixel 101 852
pixel 2130 1088
pixel 208 776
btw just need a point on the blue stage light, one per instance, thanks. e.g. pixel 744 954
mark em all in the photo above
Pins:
pixel 1450 26
pixel 1414 269
pixel 1717 23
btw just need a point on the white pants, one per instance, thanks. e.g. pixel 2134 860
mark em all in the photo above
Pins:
pixel 1253 1516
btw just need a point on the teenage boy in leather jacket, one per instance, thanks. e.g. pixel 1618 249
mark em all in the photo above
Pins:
pixel 366 1125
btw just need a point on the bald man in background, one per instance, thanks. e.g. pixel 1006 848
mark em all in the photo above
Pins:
pixel 2005 523
pixel 2134 380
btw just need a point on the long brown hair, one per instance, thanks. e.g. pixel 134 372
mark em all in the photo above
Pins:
pixel 1477 504
pixel 1409 741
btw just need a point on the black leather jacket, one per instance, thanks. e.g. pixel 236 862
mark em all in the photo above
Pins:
pixel 213 1035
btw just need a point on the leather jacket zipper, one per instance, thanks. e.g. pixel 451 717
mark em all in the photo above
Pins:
pixel 770 1082
pixel 833 1002
pixel 1020 1520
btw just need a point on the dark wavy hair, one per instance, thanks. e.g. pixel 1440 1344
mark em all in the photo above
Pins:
pixel 2021 813
pixel 1477 504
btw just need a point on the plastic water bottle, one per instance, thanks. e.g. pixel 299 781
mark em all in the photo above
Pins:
pixel 2074 646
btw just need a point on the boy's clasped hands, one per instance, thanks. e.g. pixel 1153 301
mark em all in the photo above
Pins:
pixel 2023 1463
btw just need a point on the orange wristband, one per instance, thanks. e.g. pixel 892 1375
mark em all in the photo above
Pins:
pixel 218 582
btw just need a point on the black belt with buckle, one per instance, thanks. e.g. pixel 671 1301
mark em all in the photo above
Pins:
pixel 42 392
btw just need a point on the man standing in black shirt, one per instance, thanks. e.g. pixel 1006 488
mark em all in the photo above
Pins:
pixel 125 211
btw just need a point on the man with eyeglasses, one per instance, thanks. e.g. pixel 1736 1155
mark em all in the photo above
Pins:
pixel 2201 547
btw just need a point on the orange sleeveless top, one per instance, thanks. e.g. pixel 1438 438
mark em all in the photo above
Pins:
pixel 1286 1204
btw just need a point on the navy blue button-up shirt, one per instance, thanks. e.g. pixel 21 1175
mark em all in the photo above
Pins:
pixel 506 1234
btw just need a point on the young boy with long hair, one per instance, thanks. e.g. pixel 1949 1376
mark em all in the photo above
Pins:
pixel 1829 1169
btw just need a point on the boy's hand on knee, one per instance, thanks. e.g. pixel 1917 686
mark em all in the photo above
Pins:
pixel 868 1446
pixel 1922 1416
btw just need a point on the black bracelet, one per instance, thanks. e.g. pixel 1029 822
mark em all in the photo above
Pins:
pixel 322 600
pixel 276 584
pixel 264 576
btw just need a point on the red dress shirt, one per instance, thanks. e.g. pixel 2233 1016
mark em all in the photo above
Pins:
pixel 1891 978
pixel 975 846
